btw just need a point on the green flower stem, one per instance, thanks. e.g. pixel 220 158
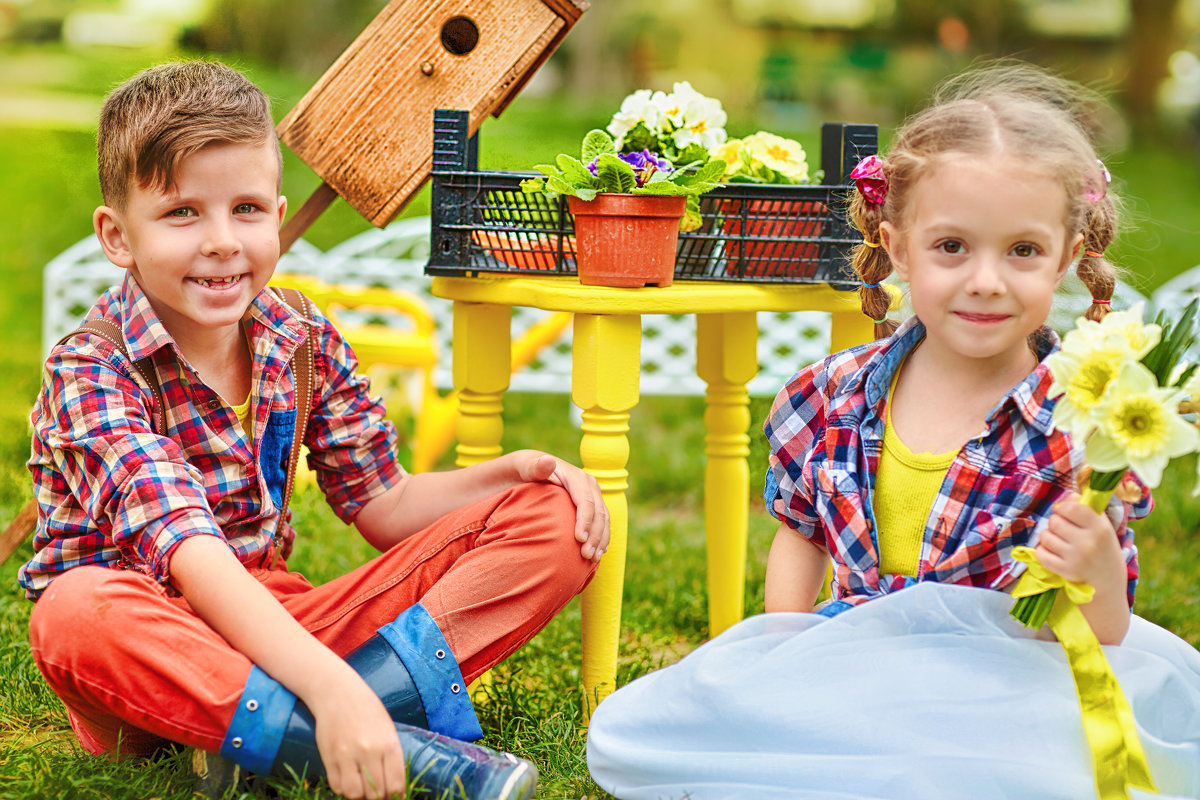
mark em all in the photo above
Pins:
pixel 1033 610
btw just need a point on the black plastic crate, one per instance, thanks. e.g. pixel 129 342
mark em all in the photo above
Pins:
pixel 483 222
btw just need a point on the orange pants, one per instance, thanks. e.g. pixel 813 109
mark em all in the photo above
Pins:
pixel 135 666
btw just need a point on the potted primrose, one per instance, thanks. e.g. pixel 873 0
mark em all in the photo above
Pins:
pixel 628 209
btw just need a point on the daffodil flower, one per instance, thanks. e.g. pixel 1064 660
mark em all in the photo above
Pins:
pixel 1139 427
pixel 1091 357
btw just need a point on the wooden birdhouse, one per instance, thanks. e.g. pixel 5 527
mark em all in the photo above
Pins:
pixel 366 126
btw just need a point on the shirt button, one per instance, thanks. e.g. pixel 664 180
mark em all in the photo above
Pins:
pixel 214 404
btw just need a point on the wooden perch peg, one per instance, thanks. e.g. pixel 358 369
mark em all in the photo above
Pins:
pixel 303 218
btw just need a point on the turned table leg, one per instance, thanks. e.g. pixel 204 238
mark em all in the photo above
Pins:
pixel 606 360
pixel 482 367
pixel 726 358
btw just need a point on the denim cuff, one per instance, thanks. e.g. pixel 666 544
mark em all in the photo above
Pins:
pixel 258 725
pixel 419 643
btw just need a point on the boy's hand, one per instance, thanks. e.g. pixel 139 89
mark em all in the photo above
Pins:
pixel 358 743
pixel 591 514
pixel 1081 545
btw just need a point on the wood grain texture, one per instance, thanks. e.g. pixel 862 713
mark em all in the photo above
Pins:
pixel 18 530
pixel 365 127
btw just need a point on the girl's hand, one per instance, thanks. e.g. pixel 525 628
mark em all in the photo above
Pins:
pixel 591 515
pixel 357 741
pixel 1081 545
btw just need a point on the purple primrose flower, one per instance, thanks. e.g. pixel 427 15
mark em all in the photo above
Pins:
pixel 644 165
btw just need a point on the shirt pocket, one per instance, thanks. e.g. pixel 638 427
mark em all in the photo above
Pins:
pixel 839 501
pixel 274 452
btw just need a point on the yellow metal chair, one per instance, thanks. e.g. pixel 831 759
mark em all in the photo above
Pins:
pixel 384 345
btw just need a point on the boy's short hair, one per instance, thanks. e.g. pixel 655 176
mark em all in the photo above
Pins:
pixel 170 111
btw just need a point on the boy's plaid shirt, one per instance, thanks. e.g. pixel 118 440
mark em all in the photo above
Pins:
pixel 114 493
pixel 826 429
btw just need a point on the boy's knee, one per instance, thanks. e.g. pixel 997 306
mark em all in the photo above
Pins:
pixel 82 608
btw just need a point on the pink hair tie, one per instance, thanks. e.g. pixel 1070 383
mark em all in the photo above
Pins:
pixel 870 179
pixel 1096 302
pixel 1098 189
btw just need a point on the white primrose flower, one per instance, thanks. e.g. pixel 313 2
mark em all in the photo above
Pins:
pixel 703 123
pixel 637 107
pixel 1139 427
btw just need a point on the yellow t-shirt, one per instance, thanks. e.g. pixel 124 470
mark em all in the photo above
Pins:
pixel 243 414
pixel 905 487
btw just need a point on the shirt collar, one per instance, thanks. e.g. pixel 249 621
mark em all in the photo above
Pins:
pixel 144 332
pixel 1028 396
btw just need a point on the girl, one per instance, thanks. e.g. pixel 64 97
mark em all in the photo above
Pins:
pixel 919 462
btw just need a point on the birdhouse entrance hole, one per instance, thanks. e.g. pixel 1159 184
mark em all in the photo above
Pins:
pixel 460 35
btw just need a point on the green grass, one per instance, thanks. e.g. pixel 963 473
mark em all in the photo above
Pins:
pixel 533 707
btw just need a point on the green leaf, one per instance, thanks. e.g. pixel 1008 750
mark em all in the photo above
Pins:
pixel 693 153
pixel 533 186
pixel 663 187
pixel 560 186
pixel 711 172
pixel 692 220
pixel 575 172
pixel 550 172
pixel 614 174
pixel 596 143
pixel 639 138
pixel 586 194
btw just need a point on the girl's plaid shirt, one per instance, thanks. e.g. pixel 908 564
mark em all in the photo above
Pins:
pixel 825 431
pixel 113 492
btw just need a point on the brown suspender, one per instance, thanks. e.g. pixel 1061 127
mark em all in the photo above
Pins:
pixel 302 374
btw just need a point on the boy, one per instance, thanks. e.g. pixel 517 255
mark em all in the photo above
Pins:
pixel 164 607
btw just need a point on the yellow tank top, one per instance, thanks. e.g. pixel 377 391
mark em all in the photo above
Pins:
pixel 243 414
pixel 905 487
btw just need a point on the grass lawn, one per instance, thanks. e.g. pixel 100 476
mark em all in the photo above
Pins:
pixel 533 706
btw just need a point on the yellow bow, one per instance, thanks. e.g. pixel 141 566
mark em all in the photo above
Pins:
pixel 1117 755
pixel 1038 579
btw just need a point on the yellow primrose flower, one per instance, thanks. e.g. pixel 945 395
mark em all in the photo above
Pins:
pixel 1139 427
pixel 778 154
pixel 730 152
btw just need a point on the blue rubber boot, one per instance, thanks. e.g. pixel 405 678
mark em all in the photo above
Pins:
pixel 274 733
pixel 409 665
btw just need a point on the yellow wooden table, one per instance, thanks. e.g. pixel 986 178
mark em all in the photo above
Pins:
pixel 606 362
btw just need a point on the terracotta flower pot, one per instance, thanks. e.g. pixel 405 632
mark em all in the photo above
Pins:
pixel 626 240
pixel 750 255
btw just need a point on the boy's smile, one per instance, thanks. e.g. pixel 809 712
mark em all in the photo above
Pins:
pixel 204 247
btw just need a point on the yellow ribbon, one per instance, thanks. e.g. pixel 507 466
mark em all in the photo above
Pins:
pixel 1117 755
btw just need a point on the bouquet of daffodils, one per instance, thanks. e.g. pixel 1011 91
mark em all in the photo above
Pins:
pixel 682 126
pixel 1120 385
pixel 763 158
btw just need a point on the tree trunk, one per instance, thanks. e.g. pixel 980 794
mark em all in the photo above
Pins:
pixel 1153 36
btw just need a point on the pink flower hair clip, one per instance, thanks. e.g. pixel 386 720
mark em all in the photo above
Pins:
pixel 1097 193
pixel 872 183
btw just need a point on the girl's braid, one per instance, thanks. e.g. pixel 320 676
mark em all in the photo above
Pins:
pixel 872 265
pixel 1093 269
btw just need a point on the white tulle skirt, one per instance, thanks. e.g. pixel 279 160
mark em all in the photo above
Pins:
pixel 931 692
